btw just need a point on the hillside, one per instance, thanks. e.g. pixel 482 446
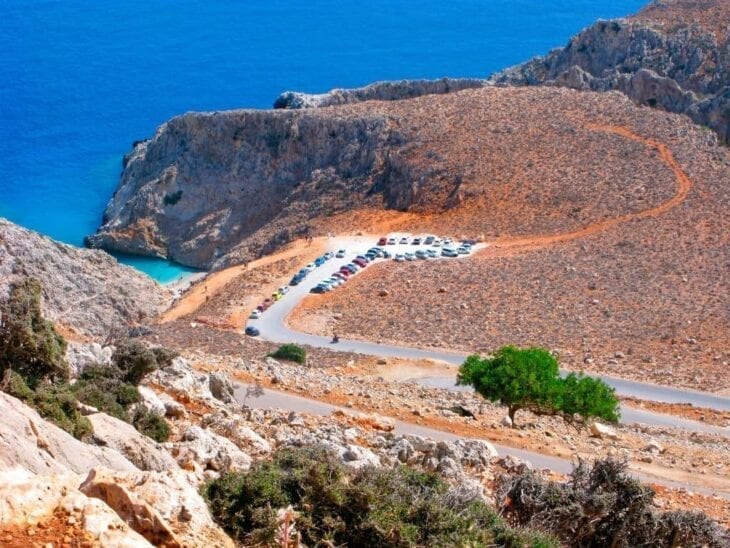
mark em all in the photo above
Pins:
pixel 216 189
pixel 672 55
pixel 85 290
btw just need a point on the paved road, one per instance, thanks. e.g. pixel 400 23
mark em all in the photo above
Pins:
pixel 273 328
pixel 291 402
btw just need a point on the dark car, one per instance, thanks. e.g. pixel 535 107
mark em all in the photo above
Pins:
pixel 319 261
pixel 317 289
pixel 416 241
pixel 251 331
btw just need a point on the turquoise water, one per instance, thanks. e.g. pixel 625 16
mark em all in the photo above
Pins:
pixel 80 81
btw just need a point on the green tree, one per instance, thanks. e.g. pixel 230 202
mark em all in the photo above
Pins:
pixel 29 344
pixel 519 378
pixel 528 378
pixel 134 360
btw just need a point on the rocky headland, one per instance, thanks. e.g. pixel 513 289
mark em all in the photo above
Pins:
pixel 673 55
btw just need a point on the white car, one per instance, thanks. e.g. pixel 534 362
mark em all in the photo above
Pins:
pixel 399 257
pixel 255 315
pixel 404 240
pixel 436 243
pixel 310 267
pixel 284 289
pixel 340 254
pixel 410 256
pixel 463 250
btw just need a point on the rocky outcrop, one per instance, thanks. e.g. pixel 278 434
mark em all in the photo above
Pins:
pixel 682 68
pixel 142 451
pixel 378 91
pixel 28 500
pixel 86 290
pixel 29 442
pixel 161 506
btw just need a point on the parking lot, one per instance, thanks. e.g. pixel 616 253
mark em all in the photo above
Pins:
pixel 346 257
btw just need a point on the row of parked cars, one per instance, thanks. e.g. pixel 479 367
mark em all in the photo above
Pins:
pixel 343 274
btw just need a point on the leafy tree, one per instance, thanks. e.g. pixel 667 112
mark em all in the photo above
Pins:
pixel 528 378
pixel 151 424
pixel 515 377
pixel 29 344
pixel 291 352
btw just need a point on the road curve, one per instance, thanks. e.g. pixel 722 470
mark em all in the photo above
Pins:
pixel 273 327
pixel 291 402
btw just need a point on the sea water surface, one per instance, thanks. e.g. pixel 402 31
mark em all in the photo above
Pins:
pixel 80 81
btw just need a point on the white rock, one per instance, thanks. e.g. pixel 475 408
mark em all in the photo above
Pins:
pixel 210 451
pixel 599 430
pixel 151 400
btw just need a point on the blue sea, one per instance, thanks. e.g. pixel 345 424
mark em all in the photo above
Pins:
pixel 81 80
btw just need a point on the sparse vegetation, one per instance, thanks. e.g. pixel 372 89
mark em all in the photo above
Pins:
pixel 338 506
pixel 29 344
pixel 173 198
pixel 151 424
pixel 602 505
pixel 528 378
pixel 291 352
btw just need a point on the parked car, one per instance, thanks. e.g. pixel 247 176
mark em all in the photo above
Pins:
pixel 251 331
pixel 317 289
pixel 383 241
pixel 432 253
pixel 469 242
pixel 310 267
pixel 429 240
pixel 340 254
pixel 360 262
pixel 404 240
pixel 319 261
pixel 416 241
pixel 391 241
pixel 421 254
pixel 448 241
pixel 329 255
pixel 295 280
pixel 255 314
pixel 284 289
pixel 436 243
pixel 387 254
pixel 462 250
pixel 410 256
pixel 276 296
pixel 399 257
pixel 449 252
pixel 352 267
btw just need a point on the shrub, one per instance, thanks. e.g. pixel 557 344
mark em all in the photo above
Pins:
pixel 58 404
pixel 394 507
pixel 103 387
pixel 151 424
pixel 29 343
pixel 134 359
pixel 172 199
pixel 603 505
pixel 291 352
pixel 528 378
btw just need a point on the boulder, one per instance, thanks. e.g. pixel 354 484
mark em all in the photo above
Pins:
pixel 239 433
pixel 180 378
pixel 476 453
pixel 28 499
pixel 210 451
pixel 221 387
pixel 143 452
pixel 358 457
pixel 151 400
pixel 32 443
pixel 80 356
pixel 161 506
pixel 506 421
pixel 654 447
pixel 599 430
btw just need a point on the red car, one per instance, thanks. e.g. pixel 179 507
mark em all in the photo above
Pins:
pixel 360 263
pixel 383 241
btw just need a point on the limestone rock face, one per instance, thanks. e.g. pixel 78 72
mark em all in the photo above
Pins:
pixel 29 442
pixel 161 506
pixel 205 449
pixel 144 452
pixel 679 68
pixel 378 91
pixel 86 290
pixel 26 499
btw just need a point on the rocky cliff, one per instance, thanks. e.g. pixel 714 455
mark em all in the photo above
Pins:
pixel 86 290
pixel 671 56
pixel 378 91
